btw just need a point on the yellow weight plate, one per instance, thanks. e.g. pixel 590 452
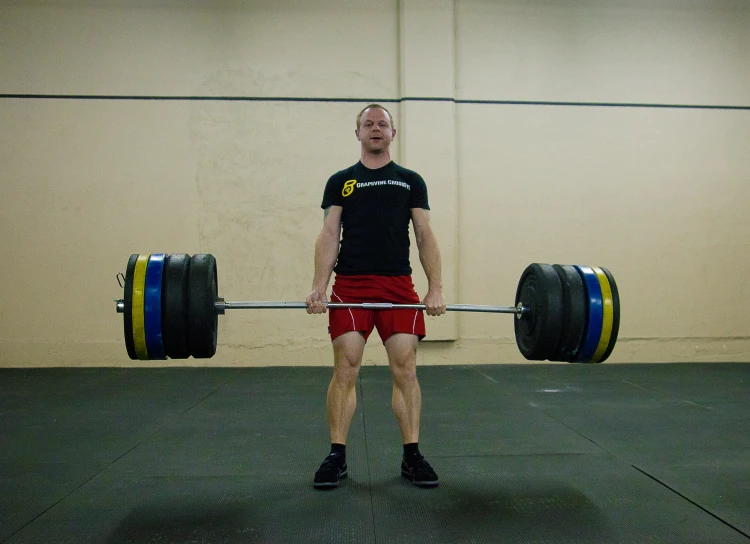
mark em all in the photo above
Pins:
pixel 139 290
pixel 609 313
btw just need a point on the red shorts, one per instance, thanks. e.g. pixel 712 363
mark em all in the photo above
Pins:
pixel 370 288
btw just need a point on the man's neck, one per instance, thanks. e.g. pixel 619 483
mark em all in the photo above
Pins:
pixel 374 161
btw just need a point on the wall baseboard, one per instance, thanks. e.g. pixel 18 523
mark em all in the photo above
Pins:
pixel 317 352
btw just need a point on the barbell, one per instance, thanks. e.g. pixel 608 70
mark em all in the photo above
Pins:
pixel 171 307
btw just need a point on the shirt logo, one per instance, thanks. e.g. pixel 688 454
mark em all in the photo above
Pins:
pixel 384 182
pixel 348 188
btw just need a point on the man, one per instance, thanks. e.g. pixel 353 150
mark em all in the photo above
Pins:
pixel 373 201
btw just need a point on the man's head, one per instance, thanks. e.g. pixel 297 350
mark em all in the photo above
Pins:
pixel 375 128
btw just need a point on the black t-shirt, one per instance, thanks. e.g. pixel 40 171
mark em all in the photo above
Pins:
pixel 375 218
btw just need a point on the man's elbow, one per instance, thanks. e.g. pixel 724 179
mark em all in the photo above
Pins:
pixel 424 236
pixel 328 237
pixel 423 242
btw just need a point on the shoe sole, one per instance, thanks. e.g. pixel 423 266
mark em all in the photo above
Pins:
pixel 325 485
pixel 408 476
pixel 329 485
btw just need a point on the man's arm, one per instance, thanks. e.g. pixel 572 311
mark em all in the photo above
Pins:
pixel 326 253
pixel 429 256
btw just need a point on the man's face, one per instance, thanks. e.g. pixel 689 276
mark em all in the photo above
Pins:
pixel 375 131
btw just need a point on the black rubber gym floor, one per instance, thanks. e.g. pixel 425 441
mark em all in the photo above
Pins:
pixel 634 453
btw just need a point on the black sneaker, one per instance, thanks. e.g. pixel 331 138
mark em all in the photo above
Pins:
pixel 331 470
pixel 419 471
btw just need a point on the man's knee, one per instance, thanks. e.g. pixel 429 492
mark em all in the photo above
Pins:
pixel 346 368
pixel 406 373
pixel 347 353
pixel 404 366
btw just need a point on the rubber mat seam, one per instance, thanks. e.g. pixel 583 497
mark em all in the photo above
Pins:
pixel 651 477
pixel 32 520
pixel 673 490
pixel 475 369
pixel 668 394
pixel 545 412
pixel 594 442
pixel 493 455
pixel 367 456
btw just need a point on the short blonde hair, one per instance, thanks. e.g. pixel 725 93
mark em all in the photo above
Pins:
pixel 367 107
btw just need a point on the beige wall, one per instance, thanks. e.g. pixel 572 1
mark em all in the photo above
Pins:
pixel 660 196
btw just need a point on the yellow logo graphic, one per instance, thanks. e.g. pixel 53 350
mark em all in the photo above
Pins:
pixel 348 187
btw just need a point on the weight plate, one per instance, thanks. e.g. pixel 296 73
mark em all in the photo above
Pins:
pixel 139 288
pixel 538 329
pixel 595 311
pixel 152 307
pixel 576 313
pixel 203 321
pixel 128 300
pixel 608 314
pixel 615 315
pixel 174 306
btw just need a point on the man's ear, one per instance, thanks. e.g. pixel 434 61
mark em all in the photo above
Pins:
pixel 356 133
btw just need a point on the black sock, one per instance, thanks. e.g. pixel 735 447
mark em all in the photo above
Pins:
pixel 338 448
pixel 411 449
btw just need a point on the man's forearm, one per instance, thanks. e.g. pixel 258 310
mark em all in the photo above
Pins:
pixel 429 256
pixel 326 253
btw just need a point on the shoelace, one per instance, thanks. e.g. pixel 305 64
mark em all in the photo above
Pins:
pixel 333 461
pixel 417 462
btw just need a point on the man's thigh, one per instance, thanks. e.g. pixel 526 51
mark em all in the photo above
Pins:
pixel 348 349
pixel 390 322
pixel 344 320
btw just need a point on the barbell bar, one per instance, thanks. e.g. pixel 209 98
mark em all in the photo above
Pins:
pixel 171 306
pixel 258 305
pixel 221 306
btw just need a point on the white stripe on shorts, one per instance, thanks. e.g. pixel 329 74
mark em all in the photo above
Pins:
pixel 354 325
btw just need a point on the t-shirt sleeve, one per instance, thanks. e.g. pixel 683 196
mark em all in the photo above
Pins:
pixel 332 193
pixel 418 193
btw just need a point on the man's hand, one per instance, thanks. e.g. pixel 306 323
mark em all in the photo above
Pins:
pixel 434 302
pixel 316 302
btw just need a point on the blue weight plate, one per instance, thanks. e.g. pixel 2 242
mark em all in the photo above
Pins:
pixel 152 307
pixel 596 314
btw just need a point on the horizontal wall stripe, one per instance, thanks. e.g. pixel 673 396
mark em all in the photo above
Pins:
pixel 605 104
pixel 368 100
pixel 194 98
